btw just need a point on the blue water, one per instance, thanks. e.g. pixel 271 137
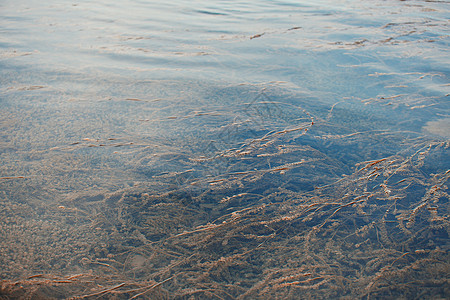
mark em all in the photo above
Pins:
pixel 198 101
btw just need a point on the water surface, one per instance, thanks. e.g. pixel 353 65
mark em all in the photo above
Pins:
pixel 244 149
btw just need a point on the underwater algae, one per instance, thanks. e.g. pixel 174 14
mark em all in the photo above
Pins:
pixel 258 214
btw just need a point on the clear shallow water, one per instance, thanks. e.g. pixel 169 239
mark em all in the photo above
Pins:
pixel 177 149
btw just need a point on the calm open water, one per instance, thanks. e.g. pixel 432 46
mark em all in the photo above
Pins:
pixel 128 125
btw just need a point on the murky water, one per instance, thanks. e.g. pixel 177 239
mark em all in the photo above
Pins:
pixel 224 149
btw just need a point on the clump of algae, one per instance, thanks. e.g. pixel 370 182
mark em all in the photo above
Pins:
pixel 260 230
